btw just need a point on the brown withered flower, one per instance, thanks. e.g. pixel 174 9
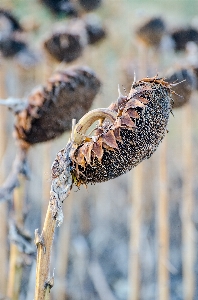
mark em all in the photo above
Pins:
pixel 128 132
pixel 95 30
pixel 61 7
pixel 185 83
pixel 11 34
pixel 151 32
pixel 68 94
pixel 67 41
pixel 182 36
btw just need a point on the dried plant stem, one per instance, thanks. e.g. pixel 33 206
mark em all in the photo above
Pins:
pixel 43 258
pixel 60 288
pixel 16 260
pixel 188 230
pixel 135 233
pixel 3 207
pixel 163 225
pixel 60 188
pixel 88 119
pixel 46 173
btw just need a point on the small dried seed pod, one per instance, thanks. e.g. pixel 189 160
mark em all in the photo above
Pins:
pixel 182 36
pixel 151 32
pixel 67 42
pixel 182 91
pixel 95 30
pixel 68 94
pixel 129 131
pixel 90 5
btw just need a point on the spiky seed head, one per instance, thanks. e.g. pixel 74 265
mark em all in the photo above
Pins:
pixel 151 32
pixel 68 94
pixel 184 82
pixel 131 131
pixel 181 36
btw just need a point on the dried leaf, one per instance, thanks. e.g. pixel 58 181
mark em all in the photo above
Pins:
pixel 117 135
pixel 108 147
pixel 134 103
pixel 117 123
pixel 98 150
pixel 143 100
pixel 133 113
pixel 126 120
pixel 131 93
pixel 80 159
pixel 86 151
pixel 113 106
pixel 109 139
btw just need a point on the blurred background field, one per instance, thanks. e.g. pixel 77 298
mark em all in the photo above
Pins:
pixel 134 237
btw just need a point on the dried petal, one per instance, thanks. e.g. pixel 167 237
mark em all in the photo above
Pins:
pixel 86 151
pixel 117 135
pixel 126 120
pixel 97 149
pixel 133 103
pixel 109 139
pixel 80 159
pixel 133 113
pixel 143 100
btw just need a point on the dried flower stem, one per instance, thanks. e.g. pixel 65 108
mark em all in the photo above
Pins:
pixel 135 232
pixel 16 260
pixel 163 226
pixel 188 230
pixel 88 119
pixel 63 250
pixel 3 207
pixel 44 256
pixel 60 189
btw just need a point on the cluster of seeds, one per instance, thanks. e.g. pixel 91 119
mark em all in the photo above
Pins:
pixel 133 135
pixel 68 94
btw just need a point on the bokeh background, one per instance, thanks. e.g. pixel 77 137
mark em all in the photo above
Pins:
pixel 134 237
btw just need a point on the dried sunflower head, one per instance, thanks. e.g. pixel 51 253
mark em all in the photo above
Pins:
pixel 12 39
pixel 61 7
pixel 151 32
pixel 182 36
pixel 90 5
pixel 67 42
pixel 129 131
pixel 8 23
pixel 68 94
pixel 95 30
pixel 182 91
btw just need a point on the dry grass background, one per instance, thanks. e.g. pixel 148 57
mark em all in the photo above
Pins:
pixel 117 241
